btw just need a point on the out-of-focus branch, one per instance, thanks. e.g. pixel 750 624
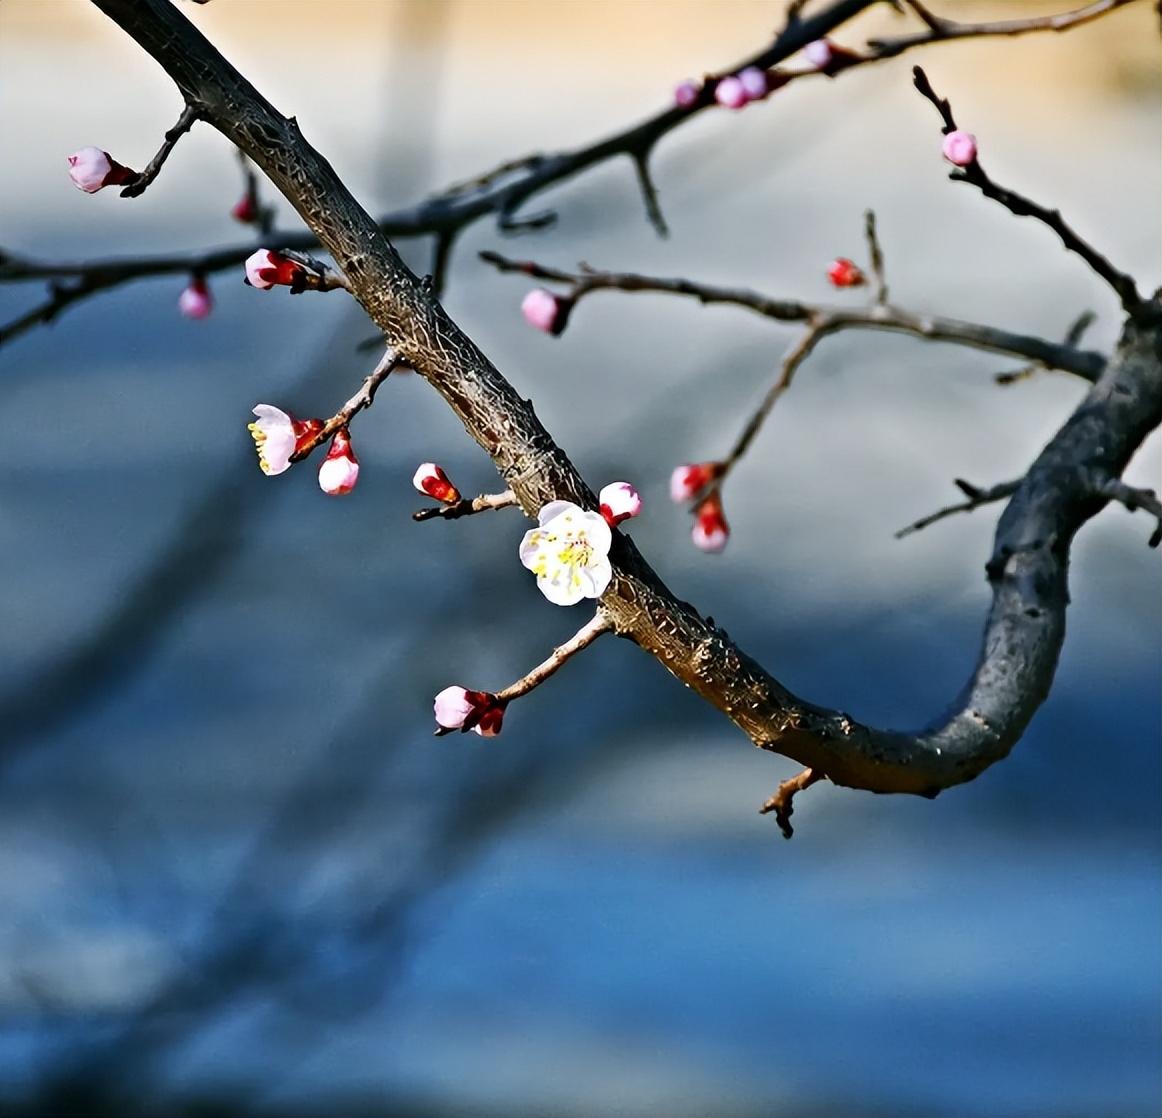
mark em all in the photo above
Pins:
pixel 976 498
pixel 1114 489
pixel 1073 338
pixel 502 191
pixel 1021 206
pixel 1086 364
pixel 942 30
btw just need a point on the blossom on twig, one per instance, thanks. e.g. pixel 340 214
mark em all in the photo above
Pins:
pixel 278 435
pixel 569 553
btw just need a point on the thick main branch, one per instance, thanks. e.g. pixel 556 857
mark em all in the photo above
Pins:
pixel 1028 568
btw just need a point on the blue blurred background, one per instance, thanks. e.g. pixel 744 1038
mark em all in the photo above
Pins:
pixel 236 871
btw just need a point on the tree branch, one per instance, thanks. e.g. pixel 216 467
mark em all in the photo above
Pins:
pixel 1086 364
pixel 580 640
pixel 1021 206
pixel 152 169
pixel 976 498
pixel 1027 571
pixel 466 506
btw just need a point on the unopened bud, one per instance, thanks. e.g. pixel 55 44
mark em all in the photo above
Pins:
pixel 619 501
pixel 686 482
pixel 457 708
pixel 730 93
pixel 754 83
pixel 686 93
pixel 845 273
pixel 266 269
pixel 546 311
pixel 340 469
pixel 710 528
pixel 195 301
pixel 245 210
pixel 960 148
pixel 91 168
pixel 431 480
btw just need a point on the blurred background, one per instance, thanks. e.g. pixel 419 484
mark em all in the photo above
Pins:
pixel 237 873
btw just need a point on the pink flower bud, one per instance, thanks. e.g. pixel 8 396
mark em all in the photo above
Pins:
pixel 710 528
pixel 91 168
pixel 686 93
pixel 244 210
pixel 459 709
pixel 265 269
pixel 546 311
pixel 754 83
pixel 619 501
pixel 960 148
pixel 730 93
pixel 431 480
pixel 340 469
pixel 686 482
pixel 844 273
pixel 195 301
pixel 819 54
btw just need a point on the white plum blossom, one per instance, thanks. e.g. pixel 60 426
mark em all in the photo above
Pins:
pixel 569 553
pixel 274 438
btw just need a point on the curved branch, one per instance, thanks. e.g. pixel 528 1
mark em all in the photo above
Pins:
pixel 1027 571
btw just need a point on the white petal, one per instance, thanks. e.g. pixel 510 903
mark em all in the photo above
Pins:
pixel 597 576
pixel 555 509
pixel 531 547
pixel 560 588
pixel 597 532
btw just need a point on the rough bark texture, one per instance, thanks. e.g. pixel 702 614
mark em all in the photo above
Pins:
pixel 1029 564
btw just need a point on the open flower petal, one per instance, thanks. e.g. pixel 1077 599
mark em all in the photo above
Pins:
pixel 569 553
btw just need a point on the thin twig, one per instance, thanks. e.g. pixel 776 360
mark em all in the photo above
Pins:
pixel 876 255
pixel 153 168
pixel 584 637
pixel 941 30
pixel 362 399
pixel 1133 499
pixel 1072 337
pixel 782 802
pixel 976 498
pixel 1086 364
pixel 1018 204
pixel 466 506
pixel 795 357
